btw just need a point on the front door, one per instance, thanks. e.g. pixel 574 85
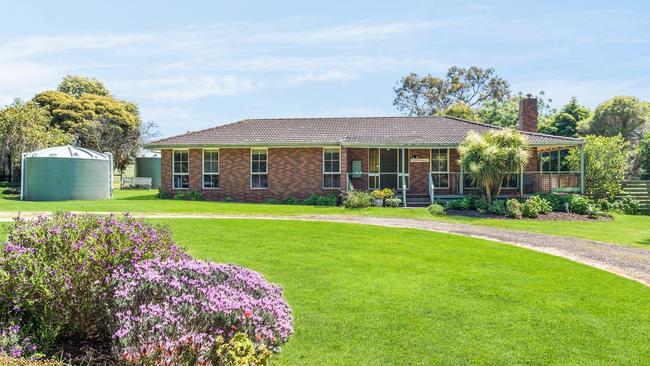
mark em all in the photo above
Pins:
pixel 388 168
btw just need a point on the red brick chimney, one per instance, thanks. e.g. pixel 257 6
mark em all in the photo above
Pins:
pixel 528 114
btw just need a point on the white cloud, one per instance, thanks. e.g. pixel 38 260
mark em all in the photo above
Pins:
pixel 330 75
pixel 183 89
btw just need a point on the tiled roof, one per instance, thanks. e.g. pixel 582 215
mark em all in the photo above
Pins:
pixel 350 131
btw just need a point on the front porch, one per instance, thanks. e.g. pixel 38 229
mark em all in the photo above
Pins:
pixel 423 175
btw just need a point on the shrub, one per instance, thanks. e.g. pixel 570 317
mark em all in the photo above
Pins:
pixel 291 201
pixel 272 201
pixel 11 190
pixel 188 308
pixel 56 270
pixel 557 202
pixel 15 344
pixel 544 205
pixel 594 212
pixel 163 194
pixel 388 193
pixel 189 196
pixel 627 205
pixel 606 163
pixel 531 208
pixel 465 203
pixel 579 204
pixel 11 361
pixel 392 202
pixel 497 207
pixel 377 194
pixel 513 208
pixel 320 200
pixel 357 199
pixel 436 209
pixel 481 205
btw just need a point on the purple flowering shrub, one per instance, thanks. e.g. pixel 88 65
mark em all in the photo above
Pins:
pixel 55 272
pixel 14 344
pixel 169 312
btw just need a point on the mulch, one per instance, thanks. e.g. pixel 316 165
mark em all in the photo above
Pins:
pixel 561 216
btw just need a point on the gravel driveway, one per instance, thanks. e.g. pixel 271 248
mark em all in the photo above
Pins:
pixel 633 263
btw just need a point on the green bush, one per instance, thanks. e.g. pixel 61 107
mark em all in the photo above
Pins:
pixel 388 193
pixel 378 194
pixel 163 194
pixel 531 208
pixel 497 207
pixel 291 201
pixel 481 205
pixel 189 196
pixel 320 200
pixel 272 201
pixel 626 205
pixel 544 205
pixel 357 199
pixel 513 208
pixel 557 202
pixel 579 204
pixel 392 202
pixel 436 209
pixel 465 203
pixel 54 273
pixel 594 212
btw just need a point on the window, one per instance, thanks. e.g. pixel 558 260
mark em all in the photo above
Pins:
pixel 259 169
pixel 181 169
pixel 510 181
pixel 211 168
pixel 440 167
pixel 331 168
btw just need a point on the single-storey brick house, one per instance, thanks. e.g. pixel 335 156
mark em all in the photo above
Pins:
pixel 260 159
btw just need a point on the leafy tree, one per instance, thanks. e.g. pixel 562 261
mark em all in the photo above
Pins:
pixel 77 85
pixel 461 110
pixel 428 95
pixel 488 158
pixel 565 121
pixel 25 127
pixel 627 116
pixel 644 156
pixel 505 113
pixel 605 164
pixel 101 123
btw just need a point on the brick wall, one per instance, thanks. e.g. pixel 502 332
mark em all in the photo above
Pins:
pixel 528 114
pixel 358 154
pixel 292 172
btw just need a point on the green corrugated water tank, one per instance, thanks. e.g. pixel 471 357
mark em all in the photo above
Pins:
pixel 66 173
pixel 147 165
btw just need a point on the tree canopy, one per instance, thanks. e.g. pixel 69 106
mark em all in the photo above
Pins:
pixel 97 120
pixel 429 95
pixel 77 85
pixel 24 126
pixel 488 158
pixel 621 115
pixel 565 121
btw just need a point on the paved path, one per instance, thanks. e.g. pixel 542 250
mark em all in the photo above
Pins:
pixel 633 263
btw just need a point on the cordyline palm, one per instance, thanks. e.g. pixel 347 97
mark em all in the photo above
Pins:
pixel 489 157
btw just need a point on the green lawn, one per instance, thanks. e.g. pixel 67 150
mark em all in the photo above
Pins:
pixel 364 295
pixel 624 229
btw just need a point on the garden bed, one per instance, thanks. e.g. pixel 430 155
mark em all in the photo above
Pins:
pixel 555 216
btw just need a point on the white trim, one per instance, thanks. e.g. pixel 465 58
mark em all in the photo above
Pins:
pixel 331 173
pixel 188 168
pixel 266 172
pixel 439 172
pixel 203 173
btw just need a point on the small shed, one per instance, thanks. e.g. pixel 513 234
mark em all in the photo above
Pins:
pixel 66 173
pixel 147 165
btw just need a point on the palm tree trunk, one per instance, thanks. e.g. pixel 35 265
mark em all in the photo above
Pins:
pixel 488 193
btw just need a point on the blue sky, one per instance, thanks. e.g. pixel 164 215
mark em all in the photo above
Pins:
pixel 196 64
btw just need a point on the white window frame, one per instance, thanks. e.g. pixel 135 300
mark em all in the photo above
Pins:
pixel 439 172
pixel 174 174
pixel 333 172
pixel 266 172
pixel 204 173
